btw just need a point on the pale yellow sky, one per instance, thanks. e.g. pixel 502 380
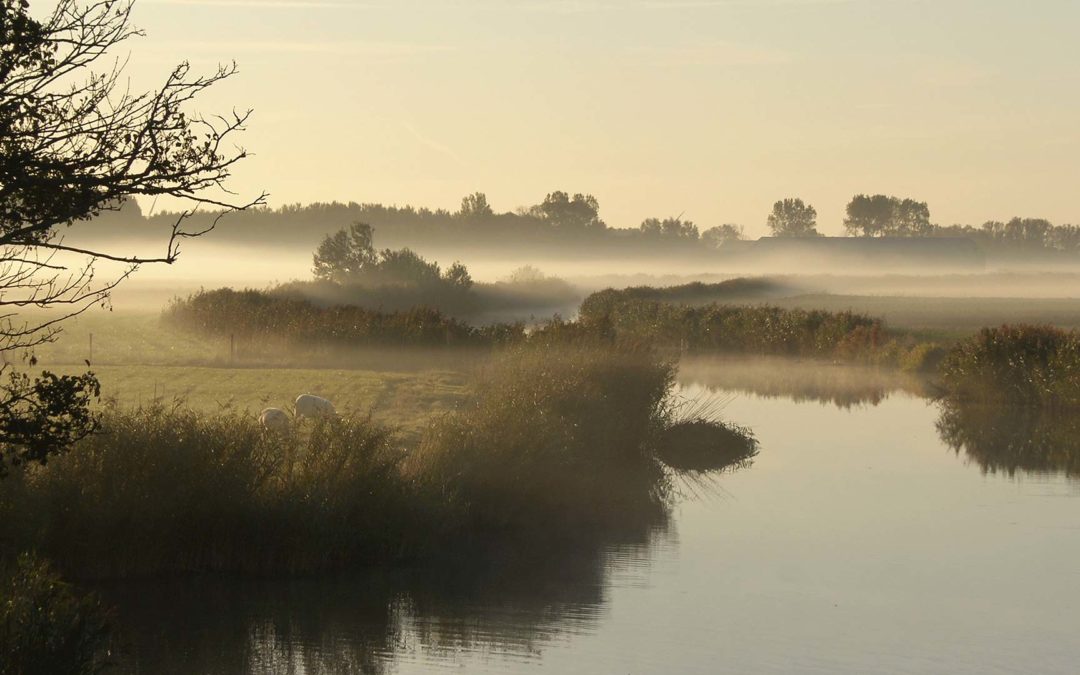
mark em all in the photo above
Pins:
pixel 714 109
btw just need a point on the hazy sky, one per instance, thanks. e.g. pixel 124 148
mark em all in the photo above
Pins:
pixel 714 109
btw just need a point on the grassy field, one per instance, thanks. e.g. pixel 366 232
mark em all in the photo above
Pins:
pixel 139 361
pixel 406 400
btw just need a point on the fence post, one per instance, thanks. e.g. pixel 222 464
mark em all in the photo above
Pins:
pixel 232 347
pixel 91 359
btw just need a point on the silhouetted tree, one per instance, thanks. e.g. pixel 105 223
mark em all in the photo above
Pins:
pixel 669 228
pixel 346 254
pixel 883 216
pixel 75 142
pixel 458 275
pixel 348 257
pixel 577 214
pixel 475 206
pixel 715 237
pixel 793 218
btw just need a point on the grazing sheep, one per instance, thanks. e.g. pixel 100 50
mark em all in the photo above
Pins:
pixel 274 419
pixel 313 406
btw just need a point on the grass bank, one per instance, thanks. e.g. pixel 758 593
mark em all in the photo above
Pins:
pixel 552 444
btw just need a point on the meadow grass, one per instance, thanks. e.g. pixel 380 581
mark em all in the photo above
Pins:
pixel 404 400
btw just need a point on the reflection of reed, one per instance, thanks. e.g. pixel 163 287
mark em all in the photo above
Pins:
pixel 1013 439
pixel 509 603
pixel 844 386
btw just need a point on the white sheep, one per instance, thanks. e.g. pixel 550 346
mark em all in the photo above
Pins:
pixel 308 405
pixel 274 419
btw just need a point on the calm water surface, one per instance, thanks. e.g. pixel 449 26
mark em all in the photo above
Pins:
pixel 858 541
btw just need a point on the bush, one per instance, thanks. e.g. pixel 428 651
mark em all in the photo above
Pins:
pixel 1015 365
pixel 561 440
pixel 45 626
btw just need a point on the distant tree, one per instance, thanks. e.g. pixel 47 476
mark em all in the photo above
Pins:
pixel 526 274
pixel 793 218
pixel 884 216
pixel 77 140
pixel 1066 238
pixel 1030 232
pixel 403 267
pixel 348 257
pixel 669 228
pixel 580 213
pixel 475 206
pixel 458 276
pixel 715 237
pixel 346 254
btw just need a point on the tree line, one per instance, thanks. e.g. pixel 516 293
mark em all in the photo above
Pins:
pixel 563 217
pixel 887 216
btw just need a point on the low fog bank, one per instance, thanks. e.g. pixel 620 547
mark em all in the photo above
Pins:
pixel 208 264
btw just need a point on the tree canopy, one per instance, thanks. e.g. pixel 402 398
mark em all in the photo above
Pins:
pixel 793 218
pixel 883 216
pixel 669 228
pixel 582 212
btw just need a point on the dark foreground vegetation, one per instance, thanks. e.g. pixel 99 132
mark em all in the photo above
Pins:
pixel 47 626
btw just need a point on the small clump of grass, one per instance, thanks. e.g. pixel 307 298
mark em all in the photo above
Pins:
pixel 696 440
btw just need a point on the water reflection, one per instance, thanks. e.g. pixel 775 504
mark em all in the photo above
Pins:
pixel 506 603
pixel 1013 439
pixel 844 386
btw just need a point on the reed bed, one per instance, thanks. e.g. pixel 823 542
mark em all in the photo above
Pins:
pixel 1017 365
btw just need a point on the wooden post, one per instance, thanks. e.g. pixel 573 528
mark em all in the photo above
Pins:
pixel 232 347
pixel 91 359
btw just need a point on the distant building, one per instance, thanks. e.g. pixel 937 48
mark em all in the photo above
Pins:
pixel 862 254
